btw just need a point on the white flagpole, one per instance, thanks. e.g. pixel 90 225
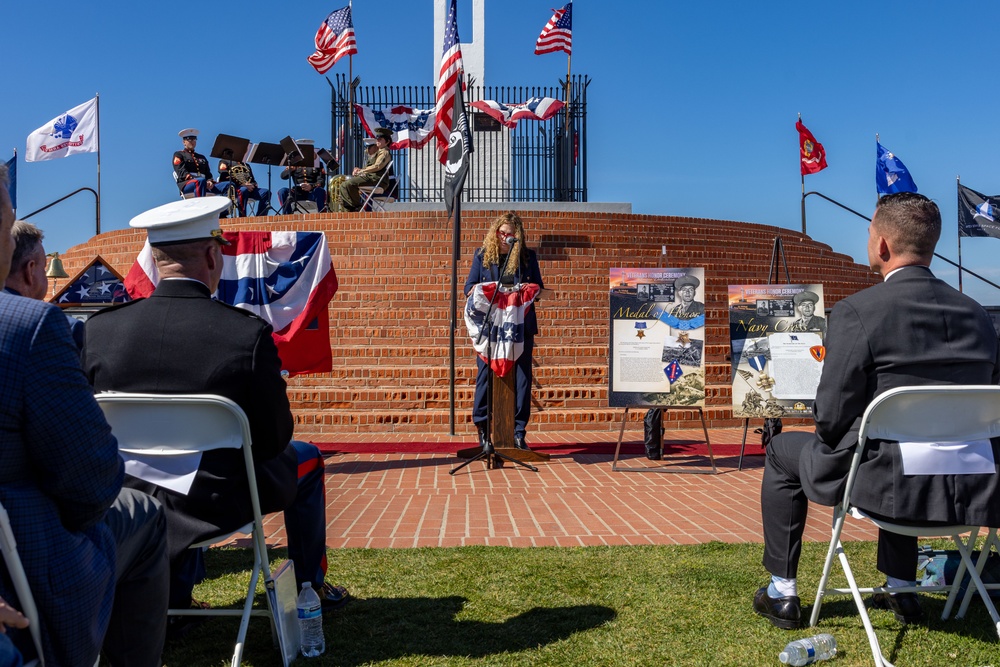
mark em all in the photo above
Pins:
pixel 98 97
pixel 15 184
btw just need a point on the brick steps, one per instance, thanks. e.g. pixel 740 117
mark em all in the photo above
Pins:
pixel 390 320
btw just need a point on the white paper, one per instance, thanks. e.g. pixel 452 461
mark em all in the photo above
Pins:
pixel 796 373
pixel 175 473
pixel 974 457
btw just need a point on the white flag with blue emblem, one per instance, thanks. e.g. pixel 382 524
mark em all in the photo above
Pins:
pixel 72 132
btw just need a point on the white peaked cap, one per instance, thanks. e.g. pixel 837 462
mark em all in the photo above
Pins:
pixel 185 220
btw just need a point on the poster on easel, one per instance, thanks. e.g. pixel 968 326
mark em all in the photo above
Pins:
pixel 776 335
pixel 657 337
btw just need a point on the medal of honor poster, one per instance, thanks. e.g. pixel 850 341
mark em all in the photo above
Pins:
pixel 657 337
pixel 776 333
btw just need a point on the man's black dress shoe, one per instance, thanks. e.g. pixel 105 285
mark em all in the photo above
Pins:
pixel 784 613
pixel 519 442
pixel 904 606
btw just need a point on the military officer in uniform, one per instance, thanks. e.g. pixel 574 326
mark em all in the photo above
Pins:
pixel 246 186
pixel 191 170
pixel 805 304
pixel 688 308
pixel 181 341
pixel 307 183
pixel 375 166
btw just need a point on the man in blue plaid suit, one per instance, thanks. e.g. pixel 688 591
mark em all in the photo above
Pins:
pixel 94 553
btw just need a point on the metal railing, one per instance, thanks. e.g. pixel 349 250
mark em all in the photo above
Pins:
pixel 539 161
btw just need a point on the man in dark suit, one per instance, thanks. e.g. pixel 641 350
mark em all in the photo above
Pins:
pixel 180 341
pixel 912 329
pixel 93 552
pixel 27 271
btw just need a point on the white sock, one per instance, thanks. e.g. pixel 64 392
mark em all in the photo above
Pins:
pixel 782 588
pixel 897 583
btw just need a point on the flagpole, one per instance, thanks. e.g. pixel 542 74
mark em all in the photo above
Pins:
pixel 802 177
pixel 98 225
pixel 877 195
pixel 958 184
pixel 350 101
pixel 456 247
pixel 15 185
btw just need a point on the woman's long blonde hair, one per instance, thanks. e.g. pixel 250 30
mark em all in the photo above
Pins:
pixel 491 246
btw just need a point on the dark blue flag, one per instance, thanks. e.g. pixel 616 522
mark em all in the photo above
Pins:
pixel 12 188
pixel 891 175
pixel 977 213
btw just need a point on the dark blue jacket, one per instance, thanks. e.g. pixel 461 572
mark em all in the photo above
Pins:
pixel 528 272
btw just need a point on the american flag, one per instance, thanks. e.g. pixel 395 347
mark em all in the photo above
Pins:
pixel 448 77
pixel 557 35
pixel 334 40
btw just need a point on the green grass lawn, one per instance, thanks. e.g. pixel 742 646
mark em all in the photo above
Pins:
pixel 634 606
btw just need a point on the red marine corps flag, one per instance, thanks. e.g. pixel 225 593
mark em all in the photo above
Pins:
pixel 811 152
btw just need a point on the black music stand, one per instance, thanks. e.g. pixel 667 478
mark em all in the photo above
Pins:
pixel 270 155
pixel 296 156
pixel 332 166
pixel 232 149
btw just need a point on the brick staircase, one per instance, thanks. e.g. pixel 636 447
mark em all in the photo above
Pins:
pixel 390 318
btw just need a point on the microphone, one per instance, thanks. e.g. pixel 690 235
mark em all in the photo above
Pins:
pixel 509 240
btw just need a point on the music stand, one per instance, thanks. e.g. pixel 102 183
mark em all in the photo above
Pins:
pixel 231 149
pixel 331 162
pixel 269 154
pixel 228 147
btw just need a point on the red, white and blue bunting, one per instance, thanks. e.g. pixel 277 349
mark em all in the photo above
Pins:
pixel 506 327
pixel 536 108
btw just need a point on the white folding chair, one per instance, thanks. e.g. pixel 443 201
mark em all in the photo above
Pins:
pixel 920 414
pixel 153 426
pixel 377 195
pixel 16 571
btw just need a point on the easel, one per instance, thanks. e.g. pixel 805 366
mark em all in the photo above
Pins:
pixel 694 471
pixel 772 273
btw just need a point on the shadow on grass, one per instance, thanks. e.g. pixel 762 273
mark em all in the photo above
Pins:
pixel 390 628
pixel 373 630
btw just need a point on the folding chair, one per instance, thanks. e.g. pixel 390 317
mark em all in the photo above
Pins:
pixel 921 414
pixel 152 426
pixel 24 597
pixel 379 194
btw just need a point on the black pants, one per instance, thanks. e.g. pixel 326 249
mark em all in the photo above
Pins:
pixel 783 507
pixel 139 616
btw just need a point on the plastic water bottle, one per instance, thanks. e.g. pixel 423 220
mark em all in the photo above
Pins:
pixel 807 651
pixel 310 612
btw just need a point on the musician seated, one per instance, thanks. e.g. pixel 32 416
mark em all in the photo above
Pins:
pixel 370 174
pixel 191 170
pixel 307 183
pixel 241 176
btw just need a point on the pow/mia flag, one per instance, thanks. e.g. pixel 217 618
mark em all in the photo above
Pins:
pixel 456 168
pixel 977 214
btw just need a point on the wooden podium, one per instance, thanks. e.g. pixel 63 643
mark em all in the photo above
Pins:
pixel 502 428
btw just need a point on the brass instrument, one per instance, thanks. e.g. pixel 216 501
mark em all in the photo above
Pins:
pixel 333 190
pixel 240 174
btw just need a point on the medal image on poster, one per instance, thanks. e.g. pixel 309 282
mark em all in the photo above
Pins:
pixel 776 337
pixel 657 324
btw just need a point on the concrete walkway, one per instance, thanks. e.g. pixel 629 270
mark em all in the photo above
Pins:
pixel 410 500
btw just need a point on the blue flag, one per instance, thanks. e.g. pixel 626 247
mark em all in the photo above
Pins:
pixel 12 188
pixel 891 175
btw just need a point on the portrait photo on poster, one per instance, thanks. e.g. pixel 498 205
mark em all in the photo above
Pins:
pixel 657 340
pixel 776 336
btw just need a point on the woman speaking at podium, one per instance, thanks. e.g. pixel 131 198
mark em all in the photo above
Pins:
pixel 505 253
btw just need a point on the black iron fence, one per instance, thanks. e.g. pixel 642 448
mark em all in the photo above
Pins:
pixel 535 161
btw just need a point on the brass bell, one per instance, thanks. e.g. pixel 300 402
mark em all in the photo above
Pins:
pixel 55 269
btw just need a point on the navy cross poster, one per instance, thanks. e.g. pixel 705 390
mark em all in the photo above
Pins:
pixel 776 333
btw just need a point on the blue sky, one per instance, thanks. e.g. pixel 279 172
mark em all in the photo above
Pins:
pixel 692 106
